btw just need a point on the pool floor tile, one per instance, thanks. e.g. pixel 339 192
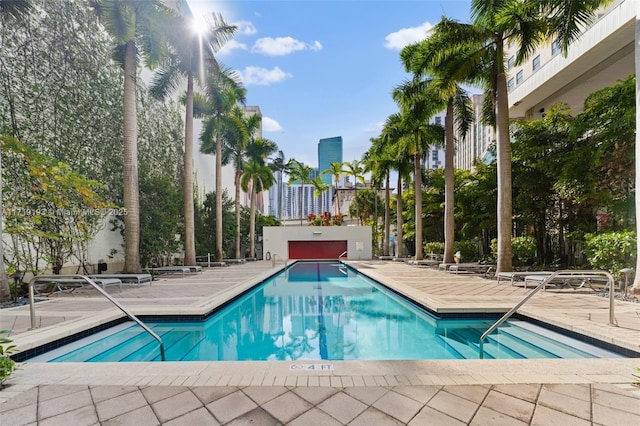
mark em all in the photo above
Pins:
pixel 261 395
pixel 372 416
pixel 509 405
pixel 119 405
pixel 473 393
pixel 201 416
pixel 486 416
pixel 315 417
pixel 567 404
pixel 457 407
pixel 176 405
pixel 287 406
pixel 342 407
pixel 314 395
pixel 231 406
pixel 398 406
pixel 430 416
pixel 527 392
pixel 545 416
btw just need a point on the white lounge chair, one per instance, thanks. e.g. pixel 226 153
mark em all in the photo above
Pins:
pixel 519 276
pixel 69 284
pixel 125 278
pixel 575 280
pixel 476 268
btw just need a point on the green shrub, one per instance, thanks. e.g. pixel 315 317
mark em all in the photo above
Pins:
pixel 7 365
pixel 523 250
pixel 611 251
pixel 468 249
pixel 435 247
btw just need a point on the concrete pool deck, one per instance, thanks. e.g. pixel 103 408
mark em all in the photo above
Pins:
pixel 594 391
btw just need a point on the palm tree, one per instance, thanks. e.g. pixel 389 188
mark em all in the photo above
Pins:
pixel 240 131
pixel 319 187
pixel 299 172
pixel 355 169
pixel 336 170
pixel 224 92
pixel 379 161
pixel 419 58
pixel 477 54
pixel 417 107
pixel 191 52
pixel 256 177
pixel 137 27
pixel 392 137
pixel 279 164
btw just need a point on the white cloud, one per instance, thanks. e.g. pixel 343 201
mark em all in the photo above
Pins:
pixel 405 36
pixel 375 127
pixel 230 46
pixel 271 125
pixel 281 46
pixel 245 28
pixel 262 77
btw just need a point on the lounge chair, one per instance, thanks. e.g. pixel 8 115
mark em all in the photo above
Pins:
pixel 169 270
pixel 125 278
pixel 574 280
pixel 520 276
pixel 476 268
pixel 69 284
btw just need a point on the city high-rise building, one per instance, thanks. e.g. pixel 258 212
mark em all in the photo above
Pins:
pixel 329 151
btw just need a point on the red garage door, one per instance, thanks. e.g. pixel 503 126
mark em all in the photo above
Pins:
pixel 316 249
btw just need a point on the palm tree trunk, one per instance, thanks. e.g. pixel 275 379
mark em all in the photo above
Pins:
pixel 301 201
pixel 337 197
pixel 237 205
pixel 417 158
pixel 387 216
pixel 189 229
pixel 449 181
pixel 504 176
pixel 219 254
pixel 130 184
pixel 399 208
pixel 252 223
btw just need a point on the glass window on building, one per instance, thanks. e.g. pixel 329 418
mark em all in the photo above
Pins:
pixel 510 84
pixel 439 120
pixel 519 77
pixel 555 47
pixel 536 62
pixel 510 62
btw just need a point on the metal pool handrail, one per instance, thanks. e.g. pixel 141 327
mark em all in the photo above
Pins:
pixel 343 254
pixel 542 284
pixel 32 306
pixel 275 257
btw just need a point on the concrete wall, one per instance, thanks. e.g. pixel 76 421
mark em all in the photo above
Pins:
pixel 276 239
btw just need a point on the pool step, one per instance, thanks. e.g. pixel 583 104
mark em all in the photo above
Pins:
pixel 511 341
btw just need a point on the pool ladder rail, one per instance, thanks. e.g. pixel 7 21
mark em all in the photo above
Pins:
pixel 542 284
pixel 89 281
pixel 274 259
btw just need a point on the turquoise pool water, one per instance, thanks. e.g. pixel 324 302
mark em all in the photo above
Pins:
pixel 321 311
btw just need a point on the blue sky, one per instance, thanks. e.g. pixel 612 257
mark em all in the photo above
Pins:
pixel 320 69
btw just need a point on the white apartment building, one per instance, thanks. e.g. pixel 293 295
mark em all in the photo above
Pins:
pixel 601 56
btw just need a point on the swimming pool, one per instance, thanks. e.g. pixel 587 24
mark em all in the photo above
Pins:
pixel 321 311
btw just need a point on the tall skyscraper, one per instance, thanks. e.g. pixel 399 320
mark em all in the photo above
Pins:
pixel 329 151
